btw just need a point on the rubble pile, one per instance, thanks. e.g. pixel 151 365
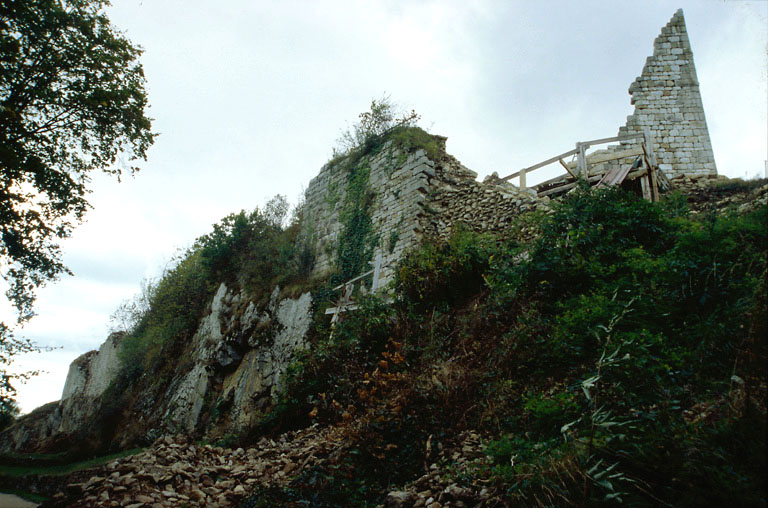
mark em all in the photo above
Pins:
pixel 437 489
pixel 716 192
pixel 176 472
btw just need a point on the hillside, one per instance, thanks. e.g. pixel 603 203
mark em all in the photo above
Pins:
pixel 600 348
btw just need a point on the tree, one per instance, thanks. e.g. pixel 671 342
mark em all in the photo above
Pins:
pixel 9 410
pixel 72 100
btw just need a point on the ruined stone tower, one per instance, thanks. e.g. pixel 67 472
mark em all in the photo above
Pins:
pixel 667 100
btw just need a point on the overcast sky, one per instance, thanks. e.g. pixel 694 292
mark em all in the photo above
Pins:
pixel 250 96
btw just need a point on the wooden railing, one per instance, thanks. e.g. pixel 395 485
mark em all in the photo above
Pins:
pixel 582 163
pixel 345 302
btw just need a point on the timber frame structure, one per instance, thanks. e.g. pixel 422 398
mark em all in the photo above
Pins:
pixel 643 166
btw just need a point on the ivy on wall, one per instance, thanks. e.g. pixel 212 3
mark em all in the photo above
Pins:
pixel 358 239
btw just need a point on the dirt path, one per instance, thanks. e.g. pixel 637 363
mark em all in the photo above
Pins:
pixel 11 501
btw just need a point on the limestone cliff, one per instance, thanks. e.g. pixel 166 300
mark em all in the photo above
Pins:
pixel 230 361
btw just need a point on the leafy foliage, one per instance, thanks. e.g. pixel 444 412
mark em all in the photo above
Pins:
pixel 445 274
pixel 357 240
pixel 11 346
pixel 9 410
pixel 382 117
pixel 72 100
pixel 618 357
pixel 256 250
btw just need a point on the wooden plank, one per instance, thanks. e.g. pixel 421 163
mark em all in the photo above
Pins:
pixel 557 179
pixel 584 145
pixel 645 187
pixel 634 175
pixel 652 166
pixel 661 178
pixel 541 164
pixel 615 176
pixel 567 168
pixel 566 187
pixel 605 157
pixel 648 138
pixel 522 179
pixel 350 281
pixel 376 273
pixel 345 308
pixel 582 168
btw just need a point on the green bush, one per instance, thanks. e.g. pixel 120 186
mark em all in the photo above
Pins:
pixel 600 358
pixel 255 250
pixel 443 274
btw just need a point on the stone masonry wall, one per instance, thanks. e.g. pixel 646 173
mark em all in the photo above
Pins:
pixel 667 101
pixel 456 197
pixel 414 198
pixel 399 182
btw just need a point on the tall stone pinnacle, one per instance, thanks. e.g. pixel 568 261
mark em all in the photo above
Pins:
pixel 667 100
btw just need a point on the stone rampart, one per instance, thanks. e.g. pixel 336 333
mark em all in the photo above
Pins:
pixel 456 197
pixel 412 197
pixel 397 183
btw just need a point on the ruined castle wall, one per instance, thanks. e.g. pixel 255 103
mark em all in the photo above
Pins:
pixel 413 198
pixel 667 101
pixel 398 183
pixel 456 197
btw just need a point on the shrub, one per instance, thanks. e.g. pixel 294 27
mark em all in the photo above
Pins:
pixel 442 274
pixel 382 117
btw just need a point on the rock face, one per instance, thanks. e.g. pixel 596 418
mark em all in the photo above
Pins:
pixel 238 357
pixel 90 374
pixel 235 360
pixel 88 378
pixel 257 380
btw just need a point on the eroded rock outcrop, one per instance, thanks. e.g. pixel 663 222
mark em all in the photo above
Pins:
pixel 233 363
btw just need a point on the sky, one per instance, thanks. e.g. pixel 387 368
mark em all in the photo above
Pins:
pixel 249 98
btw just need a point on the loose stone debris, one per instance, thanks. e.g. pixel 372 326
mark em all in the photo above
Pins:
pixel 435 489
pixel 177 472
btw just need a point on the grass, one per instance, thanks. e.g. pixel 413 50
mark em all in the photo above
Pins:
pixel 63 469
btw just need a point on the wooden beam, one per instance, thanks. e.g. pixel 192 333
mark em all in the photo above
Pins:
pixel 599 158
pixel 557 179
pixel 584 145
pixel 350 281
pixel 541 164
pixel 376 272
pixel 567 168
pixel 634 175
pixel 648 138
pixel 566 187
pixel 581 160
pixel 645 187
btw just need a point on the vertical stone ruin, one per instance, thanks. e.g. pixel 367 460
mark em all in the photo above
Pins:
pixel 667 101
